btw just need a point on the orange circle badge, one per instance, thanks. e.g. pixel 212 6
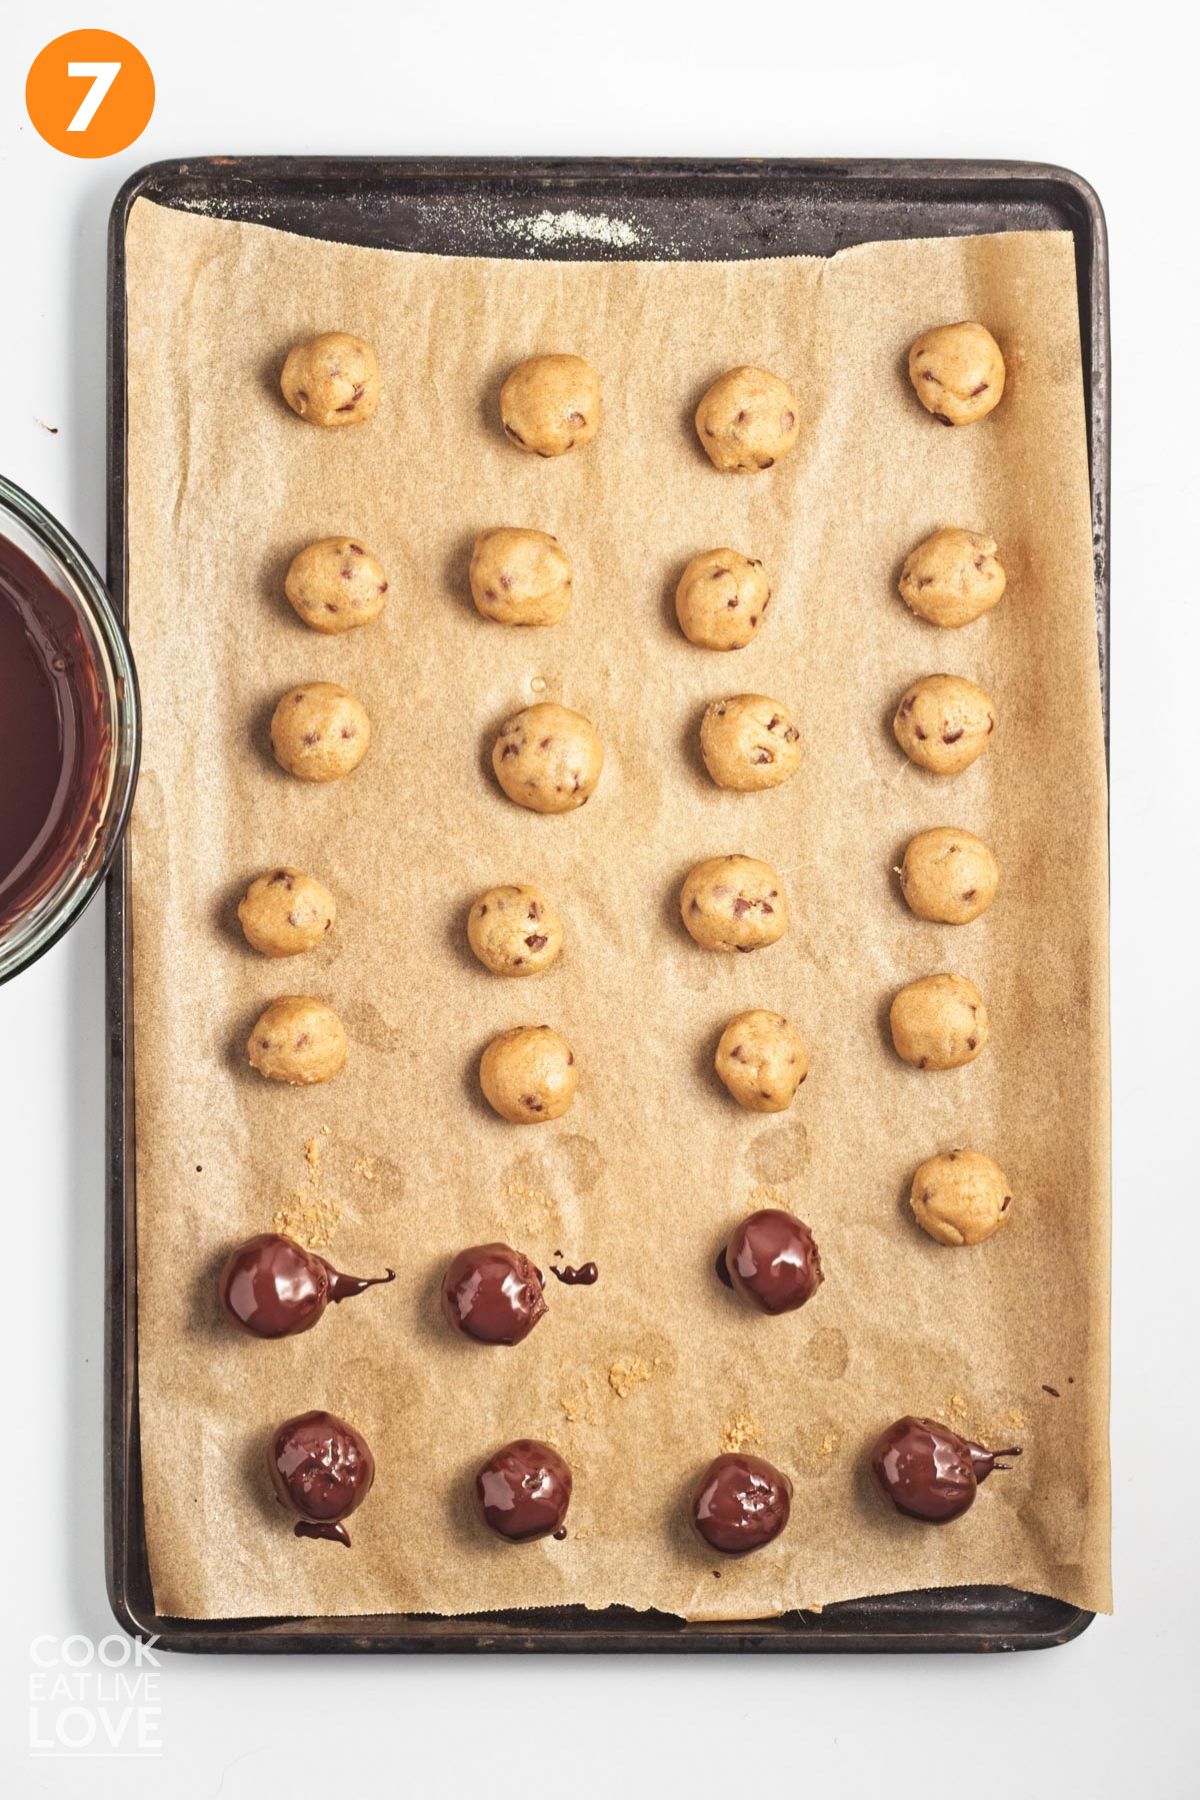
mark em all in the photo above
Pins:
pixel 90 93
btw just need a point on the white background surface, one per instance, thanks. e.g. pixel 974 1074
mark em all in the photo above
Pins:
pixel 1110 94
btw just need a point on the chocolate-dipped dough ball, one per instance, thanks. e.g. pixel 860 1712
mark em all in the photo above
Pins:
pixel 529 1075
pixel 319 731
pixel 298 1040
pixel 747 420
pixel 953 578
pixel 943 723
pixel 548 758
pixel 961 1197
pixel 551 404
pixel 722 599
pixel 493 1294
pixel 749 742
pixel 321 1469
pixel 773 1262
pixel 336 584
pixel 939 1022
pixel 740 1504
pixel 957 372
pixel 271 1287
pixel 514 930
pixel 949 876
pixel 285 912
pixel 762 1060
pixel 928 1471
pixel 520 577
pixel 523 1491
pixel 332 379
pixel 734 903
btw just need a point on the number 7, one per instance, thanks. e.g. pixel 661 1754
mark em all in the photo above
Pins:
pixel 102 75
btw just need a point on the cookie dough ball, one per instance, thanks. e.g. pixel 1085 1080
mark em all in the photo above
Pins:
pixel 298 1040
pixel 749 742
pixel 336 584
pixel 722 599
pixel 747 420
pixel 958 372
pixel 514 930
pixel 548 758
pixel 762 1060
pixel 286 912
pixel 331 380
pixel 528 1075
pixel 549 404
pixel 952 578
pixel 960 1198
pixel 939 1022
pixel 319 731
pixel 943 723
pixel 520 577
pixel 949 876
pixel 734 903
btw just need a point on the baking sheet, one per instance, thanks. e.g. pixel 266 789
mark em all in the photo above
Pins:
pixel 656 1368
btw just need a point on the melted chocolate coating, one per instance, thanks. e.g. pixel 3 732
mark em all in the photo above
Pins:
pixel 54 742
pixel 773 1262
pixel 321 1470
pixel 584 1276
pixel 493 1294
pixel 272 1287
pixel 740 1504
pixel 929 1472
pixel 523 1492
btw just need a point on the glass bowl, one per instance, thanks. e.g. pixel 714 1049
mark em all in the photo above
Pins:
pixel 32 930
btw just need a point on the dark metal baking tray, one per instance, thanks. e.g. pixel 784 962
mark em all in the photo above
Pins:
pixel 681 210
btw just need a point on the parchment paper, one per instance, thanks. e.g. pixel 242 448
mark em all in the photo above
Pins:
pixel 642 1378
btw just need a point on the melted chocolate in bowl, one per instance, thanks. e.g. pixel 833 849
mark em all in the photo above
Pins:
pixel 55 746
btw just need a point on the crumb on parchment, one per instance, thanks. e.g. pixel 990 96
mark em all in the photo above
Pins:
pixel 308 1215
pixel 742 1430
pixel 532 1209
pixel 985 1428
pixel 623 1377
pixel 313 1147
pixel 308 1218
pixel 578 1401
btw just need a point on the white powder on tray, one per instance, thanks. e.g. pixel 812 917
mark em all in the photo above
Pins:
pixel 553 228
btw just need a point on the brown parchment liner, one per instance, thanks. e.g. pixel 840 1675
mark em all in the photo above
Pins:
pixel 642 1378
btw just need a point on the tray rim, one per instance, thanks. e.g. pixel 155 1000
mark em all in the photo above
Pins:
pixel 393 1633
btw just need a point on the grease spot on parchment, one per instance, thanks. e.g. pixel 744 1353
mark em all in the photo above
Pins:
pixel 828 1354
pixel 584 1163
pixel 527 1206
pixel 383 1178
pixel 538 1185
pixel 780 1153
pixel 367 1025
